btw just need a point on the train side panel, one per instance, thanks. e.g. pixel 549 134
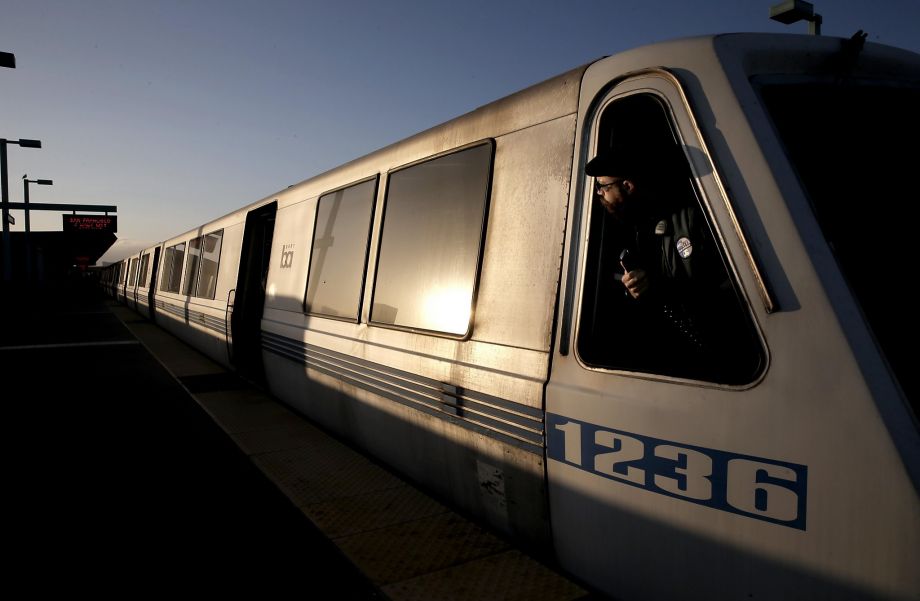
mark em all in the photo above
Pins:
pixel 462 415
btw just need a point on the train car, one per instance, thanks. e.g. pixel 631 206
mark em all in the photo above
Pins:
pixel 450 305
pixel 197 277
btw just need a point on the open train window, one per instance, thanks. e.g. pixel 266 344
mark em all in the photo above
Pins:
pixel 341 236
pixel 191 266
pixel 688 318
pixel 433 228
pixel 142 282
pixel 172 268
pixel 202 264
pixel 132 274
pixel 210 262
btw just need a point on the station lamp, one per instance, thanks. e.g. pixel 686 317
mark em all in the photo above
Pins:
pixel 792 11
pixel 25 195
pixel 5 200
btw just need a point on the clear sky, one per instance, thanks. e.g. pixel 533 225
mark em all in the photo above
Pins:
pixel 179 112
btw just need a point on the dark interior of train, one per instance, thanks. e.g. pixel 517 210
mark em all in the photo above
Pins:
pixel 701 329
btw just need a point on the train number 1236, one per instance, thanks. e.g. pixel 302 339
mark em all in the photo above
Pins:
pixel 754 487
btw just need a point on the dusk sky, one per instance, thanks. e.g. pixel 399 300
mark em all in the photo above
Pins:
pixel 179 112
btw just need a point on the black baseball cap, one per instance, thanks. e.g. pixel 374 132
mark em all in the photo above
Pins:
pixel 614 162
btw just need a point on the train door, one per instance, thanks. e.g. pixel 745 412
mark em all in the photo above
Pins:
pixel 638 435
pixel 152 288
pixel 249 299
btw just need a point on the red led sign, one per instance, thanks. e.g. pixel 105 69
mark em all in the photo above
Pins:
pixel 90 223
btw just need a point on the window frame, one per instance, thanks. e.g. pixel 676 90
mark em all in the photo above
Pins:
pixel 367 251
pixel 477 274
pixel 203 237
pixel 132 273
pixel 667 90
pixel 184 285
pixel 188 277
pixel 145 264
pixel 774 92
pixel 166 274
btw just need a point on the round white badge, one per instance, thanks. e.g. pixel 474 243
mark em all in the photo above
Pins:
pixel 684 247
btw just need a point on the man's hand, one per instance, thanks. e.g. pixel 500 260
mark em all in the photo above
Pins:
pixel 636 283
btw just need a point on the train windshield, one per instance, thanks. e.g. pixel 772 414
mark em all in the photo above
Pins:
pixel 855 146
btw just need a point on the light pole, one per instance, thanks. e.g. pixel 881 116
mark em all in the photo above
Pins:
pixel 797 10
pixel 25 196
pixel 5 199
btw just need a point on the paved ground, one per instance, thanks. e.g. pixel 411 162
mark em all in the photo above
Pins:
pixel 117 482
pixel 139 465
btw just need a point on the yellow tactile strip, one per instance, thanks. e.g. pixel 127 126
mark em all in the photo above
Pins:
pixel 294 435
pixel 411 546
pixel 411 549
pixel 314 477
pixel 509 576
pixel 365 513
pixel 239 411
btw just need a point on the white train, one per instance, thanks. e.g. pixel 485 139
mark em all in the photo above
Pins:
pixel 446 304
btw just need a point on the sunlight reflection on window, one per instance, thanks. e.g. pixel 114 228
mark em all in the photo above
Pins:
pixel 447 309
pixel 431 241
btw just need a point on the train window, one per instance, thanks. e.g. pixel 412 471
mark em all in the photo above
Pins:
pixel 172 268
pixel 341 235
pixel 209 264
pixel 685 316
pixel 834 132
pixel 132 273
pixel 202 265
pixel 191 267
pixel 433 226
pixel 142 280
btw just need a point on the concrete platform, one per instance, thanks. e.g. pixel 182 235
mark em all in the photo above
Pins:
pixel 171 468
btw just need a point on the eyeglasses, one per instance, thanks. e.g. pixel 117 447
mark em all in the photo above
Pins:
pixel 601 188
